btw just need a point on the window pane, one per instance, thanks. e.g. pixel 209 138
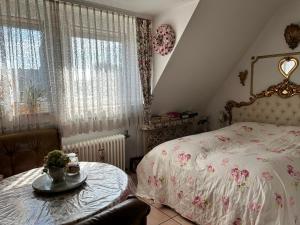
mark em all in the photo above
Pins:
pixel 89 62
pixel 25 69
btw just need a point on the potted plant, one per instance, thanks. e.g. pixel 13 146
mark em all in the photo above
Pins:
pixel 55 163
pixel 34 97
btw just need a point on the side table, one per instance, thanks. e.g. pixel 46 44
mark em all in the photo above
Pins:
pixel 159 132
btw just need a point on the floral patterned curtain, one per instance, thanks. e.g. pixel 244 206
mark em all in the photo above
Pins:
pixel 145 53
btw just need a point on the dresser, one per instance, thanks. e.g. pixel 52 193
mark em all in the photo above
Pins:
pixel 158 132
pixel 161 131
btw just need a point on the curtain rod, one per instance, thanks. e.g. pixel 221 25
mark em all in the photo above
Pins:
pixel 105 7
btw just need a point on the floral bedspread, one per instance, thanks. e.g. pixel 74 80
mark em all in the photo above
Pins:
pixel 247 173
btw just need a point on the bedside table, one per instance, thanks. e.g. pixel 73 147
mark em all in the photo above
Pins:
pixel 162 131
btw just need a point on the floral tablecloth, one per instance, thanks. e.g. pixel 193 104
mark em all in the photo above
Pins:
pixel 105 186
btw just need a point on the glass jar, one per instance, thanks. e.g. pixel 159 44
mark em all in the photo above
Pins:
pixel 73 166
pixel 73 157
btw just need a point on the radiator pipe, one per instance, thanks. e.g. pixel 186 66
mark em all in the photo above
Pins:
pixel 126 134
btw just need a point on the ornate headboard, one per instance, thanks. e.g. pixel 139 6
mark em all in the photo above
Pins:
pixel 279 104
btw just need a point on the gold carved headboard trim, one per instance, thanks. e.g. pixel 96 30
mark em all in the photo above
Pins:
pixel 255 59
pixel 284 90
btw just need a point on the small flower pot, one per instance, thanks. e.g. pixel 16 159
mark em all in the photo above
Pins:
pixel 57 174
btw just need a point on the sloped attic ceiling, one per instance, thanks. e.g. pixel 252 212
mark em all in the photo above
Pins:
pixel 217 36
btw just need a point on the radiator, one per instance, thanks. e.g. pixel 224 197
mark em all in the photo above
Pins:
pixel 105 149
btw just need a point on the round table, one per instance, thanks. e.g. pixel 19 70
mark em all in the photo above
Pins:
pixel 106 185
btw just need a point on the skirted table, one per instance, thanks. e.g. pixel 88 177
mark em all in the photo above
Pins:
pixel 106 186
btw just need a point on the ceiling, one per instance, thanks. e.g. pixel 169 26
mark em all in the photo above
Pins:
pixel 143 7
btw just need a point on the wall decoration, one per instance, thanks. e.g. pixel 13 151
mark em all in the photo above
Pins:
pixel 223 119
pixel 287 66
pixel 243 77
pixel 287 70
pixel 164 39
pixel 292 35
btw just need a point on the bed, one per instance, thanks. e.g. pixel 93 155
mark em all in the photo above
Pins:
pixel 246 173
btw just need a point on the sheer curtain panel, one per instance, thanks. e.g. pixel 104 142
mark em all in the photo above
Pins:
pixel 27 65
pixel 101 84
pixel 67 65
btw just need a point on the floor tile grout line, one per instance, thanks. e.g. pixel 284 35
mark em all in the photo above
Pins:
pixel 177 214
pixel 153 204
pixel 164 221
pixel 166 214
pixel 168 220
pixel 170 217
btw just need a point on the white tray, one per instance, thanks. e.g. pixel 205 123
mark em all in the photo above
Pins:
pixel 44 183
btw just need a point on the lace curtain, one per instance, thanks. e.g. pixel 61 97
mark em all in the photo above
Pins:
pixel 67 65
pixel 26 65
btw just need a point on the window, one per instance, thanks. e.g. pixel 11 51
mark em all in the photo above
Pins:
pixel 92 63
pixel 67 65
pixel 25 82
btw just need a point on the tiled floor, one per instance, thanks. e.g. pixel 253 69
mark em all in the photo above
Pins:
pixel 162 215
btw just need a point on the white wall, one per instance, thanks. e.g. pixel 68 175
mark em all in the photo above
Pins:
pixel 217 36
pixel 269 41
pixel 178 17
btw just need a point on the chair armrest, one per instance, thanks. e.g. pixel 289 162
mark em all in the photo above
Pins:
pixel 130 212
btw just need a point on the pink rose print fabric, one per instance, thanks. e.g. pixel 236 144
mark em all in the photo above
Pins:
pixel 240 176
pixel 267 176
pixel 293 172
pixel 255 207
pixel 237 221
pixel 200 202
pixel 279 200
pixel 210 168
pixel 183 158
pixel 225 203
pixel 246 173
